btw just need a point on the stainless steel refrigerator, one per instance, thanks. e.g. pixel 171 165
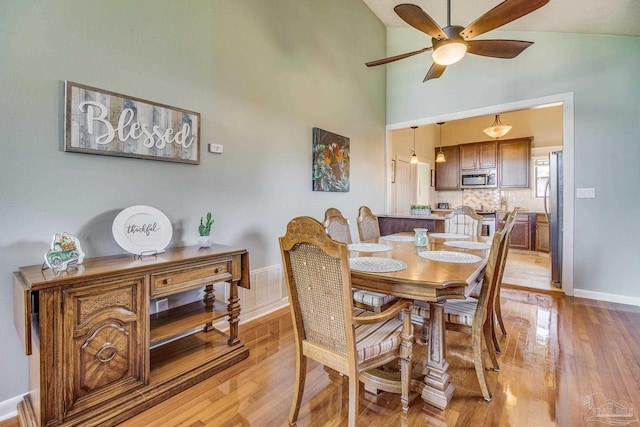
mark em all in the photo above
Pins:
pixel 553 210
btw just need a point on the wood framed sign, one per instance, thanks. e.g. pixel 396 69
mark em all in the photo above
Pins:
pixel 108 123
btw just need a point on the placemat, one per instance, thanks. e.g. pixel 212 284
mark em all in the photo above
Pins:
pixel 462 244
pixel 397 238
pixel 449 235
pixel 369 247
pixel 450 256
pixel 376 265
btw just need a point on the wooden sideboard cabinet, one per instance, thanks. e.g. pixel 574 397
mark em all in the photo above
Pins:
pixel 96 356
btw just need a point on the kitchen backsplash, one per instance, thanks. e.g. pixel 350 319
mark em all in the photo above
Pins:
pixel 486 199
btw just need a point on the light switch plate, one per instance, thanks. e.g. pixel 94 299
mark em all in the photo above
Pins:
pixel 215 148
pixel 585 193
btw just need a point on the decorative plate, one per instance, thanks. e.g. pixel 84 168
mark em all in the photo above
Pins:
pixel 369 247
pixel 65 252
pixel 392 238
pixel 142 230
pixel 449 235
pixel 376 265
pixel 462 244
pixel 450 256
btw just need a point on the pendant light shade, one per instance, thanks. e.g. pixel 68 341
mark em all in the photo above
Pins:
pixel 414 158
pixel 440 157
pixel 497 129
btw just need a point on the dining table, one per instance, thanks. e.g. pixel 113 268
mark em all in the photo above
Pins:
pixel 447 267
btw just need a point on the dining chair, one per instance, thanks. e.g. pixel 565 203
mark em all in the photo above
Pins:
pixel 473 316
pixel 368 227
pixel 337 227
pixel 327 327
pixel 463 219
pixel 508 224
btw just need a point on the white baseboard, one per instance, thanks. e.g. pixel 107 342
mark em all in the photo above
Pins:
pixel 9 408
pixel 601 296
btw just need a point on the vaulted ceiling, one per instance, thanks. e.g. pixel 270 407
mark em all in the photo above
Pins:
pixel 614 17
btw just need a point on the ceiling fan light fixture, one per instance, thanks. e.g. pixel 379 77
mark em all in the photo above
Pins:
pixel 449 53
pixel 497 129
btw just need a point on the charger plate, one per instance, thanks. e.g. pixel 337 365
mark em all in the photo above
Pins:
pixel 450 256
pixel 393 238
pixel 369 247
pixel 462 244
pixel 449 235
pixel 376 265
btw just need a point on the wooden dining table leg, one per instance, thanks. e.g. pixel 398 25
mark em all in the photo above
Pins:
pixel 438 389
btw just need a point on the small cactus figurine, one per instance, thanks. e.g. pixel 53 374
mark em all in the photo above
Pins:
pixel 205 227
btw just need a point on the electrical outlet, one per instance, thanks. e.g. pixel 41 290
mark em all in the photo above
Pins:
pixel 162 305
pixel 215 148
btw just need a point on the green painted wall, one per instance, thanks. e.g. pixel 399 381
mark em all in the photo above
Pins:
pixel 603 73
pixel 261 73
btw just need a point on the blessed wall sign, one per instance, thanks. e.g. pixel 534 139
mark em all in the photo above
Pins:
pixel 109 123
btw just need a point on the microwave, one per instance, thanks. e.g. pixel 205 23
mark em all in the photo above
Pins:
pixel 478 179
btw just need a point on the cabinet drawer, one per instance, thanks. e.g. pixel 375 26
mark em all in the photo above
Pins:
pixel 174 281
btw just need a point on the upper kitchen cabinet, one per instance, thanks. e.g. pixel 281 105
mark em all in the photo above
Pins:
pixel 479 155
pixel 514 158
pixel 448 173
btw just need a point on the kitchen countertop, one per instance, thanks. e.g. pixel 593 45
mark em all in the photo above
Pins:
pixel 433 217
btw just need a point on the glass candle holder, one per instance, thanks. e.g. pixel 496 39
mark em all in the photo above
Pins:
pixel 420 237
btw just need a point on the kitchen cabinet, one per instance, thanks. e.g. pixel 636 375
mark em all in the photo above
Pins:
pixel 448 173
pixel 478 155
pixel 543 241
pixel 523 235
pixel 96 355
pixel 514 158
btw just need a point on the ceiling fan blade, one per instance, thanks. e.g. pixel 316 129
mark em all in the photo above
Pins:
pixel 434 72
pixel 505 12
pixel 397 57
pixel 418 18
pixel 506 49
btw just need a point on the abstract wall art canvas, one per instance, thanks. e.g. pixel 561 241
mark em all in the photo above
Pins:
pixel 331 158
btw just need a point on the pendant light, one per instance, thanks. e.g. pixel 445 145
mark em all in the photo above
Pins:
pixel 414 158
pixel 440 157
pixel 497 129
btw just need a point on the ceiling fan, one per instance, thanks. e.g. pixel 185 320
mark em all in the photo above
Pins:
pixel 451 43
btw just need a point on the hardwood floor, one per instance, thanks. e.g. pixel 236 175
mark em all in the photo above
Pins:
pixel 528 270
pixel 563 357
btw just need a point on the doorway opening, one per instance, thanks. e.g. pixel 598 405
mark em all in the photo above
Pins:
pixel 565 101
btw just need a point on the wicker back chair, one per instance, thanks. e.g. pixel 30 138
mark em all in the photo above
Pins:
pixel 337 226
pixel 463 220
pixel 326 327
pixel 475 316
pixel 368 227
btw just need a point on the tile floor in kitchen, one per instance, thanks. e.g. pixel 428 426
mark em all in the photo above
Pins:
pixel 528 270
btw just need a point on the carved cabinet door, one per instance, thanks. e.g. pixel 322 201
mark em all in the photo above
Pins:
pixel 103 342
